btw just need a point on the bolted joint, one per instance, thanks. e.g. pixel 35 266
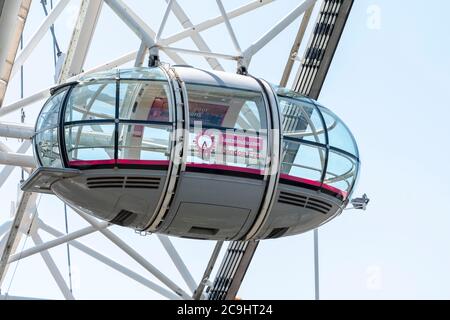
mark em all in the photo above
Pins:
pixel 242 70
pixel 153 59
pixel 242 66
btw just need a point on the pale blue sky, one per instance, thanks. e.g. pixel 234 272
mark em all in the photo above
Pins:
pixel 389 84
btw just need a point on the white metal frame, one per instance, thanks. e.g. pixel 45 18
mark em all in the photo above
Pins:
pixel 26 220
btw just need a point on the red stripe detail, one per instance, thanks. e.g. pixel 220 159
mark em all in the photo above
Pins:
pixel 144 162
pixel 224 168
pixel 77 163
pixel 344 194
pixel 301 180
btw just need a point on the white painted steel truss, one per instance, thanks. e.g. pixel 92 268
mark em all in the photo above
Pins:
pixel 26 221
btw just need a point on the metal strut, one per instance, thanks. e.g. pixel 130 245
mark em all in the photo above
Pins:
pixel 309 81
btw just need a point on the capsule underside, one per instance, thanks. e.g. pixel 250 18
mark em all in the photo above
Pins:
pixel 194 153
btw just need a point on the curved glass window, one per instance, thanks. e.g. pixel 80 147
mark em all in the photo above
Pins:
pixel 102 75
pixel 301 120
pixel 319 151
pixel 143 74
pixel 302 163
pixel 228 129
pixel 339 135
pixel 94 101
pixel 146 144
pixel 341 173
pixel 49 117
pixel 144 101
pixel 119 121
pixel 46 138
pixel 90 144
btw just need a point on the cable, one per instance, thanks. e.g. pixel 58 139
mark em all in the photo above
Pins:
pixel 57 53
pixel 56 50
pixel 23 247
pixel 68 250
pixel 22 112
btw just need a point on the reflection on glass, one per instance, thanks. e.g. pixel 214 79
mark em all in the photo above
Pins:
pixel 341 172
pixel 338 134
pixel 48 148
pixel 89 142
pixel 102 75
pixel 135 73
pixel 144 142
pixel 301 120
pixel 49 116
pixel 302 163
pixel 146 101
pixel 92 102
pixel 226 108
pixel 228 128
pixel 143 73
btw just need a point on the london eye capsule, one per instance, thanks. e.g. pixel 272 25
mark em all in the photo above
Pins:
pixel 194 153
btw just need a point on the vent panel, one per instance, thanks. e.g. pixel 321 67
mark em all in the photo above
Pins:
pixel 105 182
pixel 304 202
pixel 123 182
pixel 142 183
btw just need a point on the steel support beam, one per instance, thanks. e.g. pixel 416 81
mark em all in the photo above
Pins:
pixel 309 81
pixel 111 263
pixel 293 55
pixel 316 265
pixel 276 30
pixel 164 20
pixel 227 22
pixel 57 242
pixel 138 26
pixel 200 53
pixel 191 31
pixel 232 270
pixel 44 94
pixel 7 170
pixel 136 256
pixel 51 265
pixel 81 38
pixel 196 37
pixel 41 95
pixel 178 262
pixel 16 130
pixel 140 57
pixel 37 37
pixel 322 47
pixel 198 293
pixel 13 238
pixel 17 159
pixel 13 16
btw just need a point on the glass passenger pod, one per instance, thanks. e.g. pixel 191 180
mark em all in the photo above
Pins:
pixel 121 119
pixel 228 130
pixel 319 152
pixel 46 139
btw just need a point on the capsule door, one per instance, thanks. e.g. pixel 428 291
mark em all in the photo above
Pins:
pixel 225 165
